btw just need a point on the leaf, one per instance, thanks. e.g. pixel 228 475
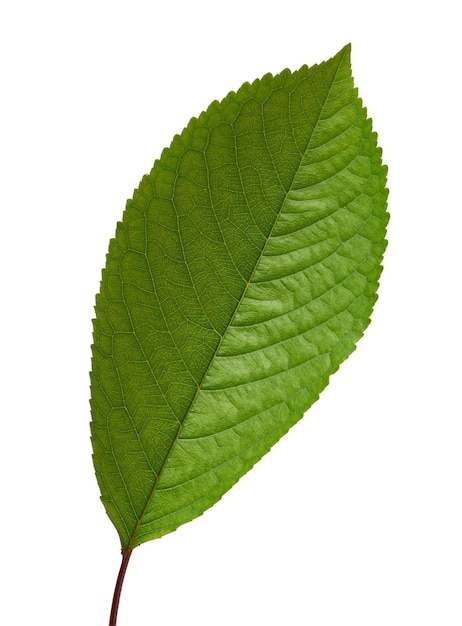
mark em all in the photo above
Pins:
pixel 243 273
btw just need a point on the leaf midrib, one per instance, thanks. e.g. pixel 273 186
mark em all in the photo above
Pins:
pixel 243 295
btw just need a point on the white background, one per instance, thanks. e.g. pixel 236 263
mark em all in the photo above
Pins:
pixel 355 517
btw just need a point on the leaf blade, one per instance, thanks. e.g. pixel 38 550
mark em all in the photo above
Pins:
pixel 263 218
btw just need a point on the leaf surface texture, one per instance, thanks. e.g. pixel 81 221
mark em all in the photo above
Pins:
pixel 243 273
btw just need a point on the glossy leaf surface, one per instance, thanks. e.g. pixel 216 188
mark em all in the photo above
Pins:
pixel 243 273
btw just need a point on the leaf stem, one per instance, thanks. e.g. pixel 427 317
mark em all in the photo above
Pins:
pixel 118 587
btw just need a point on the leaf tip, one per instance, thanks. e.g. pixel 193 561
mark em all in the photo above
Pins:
pixel 345 52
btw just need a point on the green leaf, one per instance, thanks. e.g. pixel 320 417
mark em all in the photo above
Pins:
pixel 243 273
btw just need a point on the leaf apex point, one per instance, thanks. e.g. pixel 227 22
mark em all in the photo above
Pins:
pixel 345 52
